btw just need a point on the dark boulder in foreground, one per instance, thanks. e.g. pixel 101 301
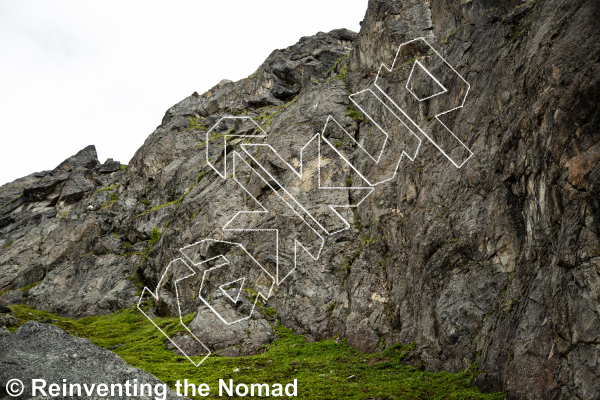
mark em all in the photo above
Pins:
pixel 43 351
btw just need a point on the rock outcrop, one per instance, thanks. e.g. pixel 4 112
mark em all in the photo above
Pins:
pixel 52 223
pixel 496 263
pixel 43 351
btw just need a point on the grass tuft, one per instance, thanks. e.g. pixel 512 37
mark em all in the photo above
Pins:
pixel 106 189
pixel 12 201
pixel 171 203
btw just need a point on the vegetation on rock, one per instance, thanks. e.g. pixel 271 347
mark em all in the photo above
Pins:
pixel 329 369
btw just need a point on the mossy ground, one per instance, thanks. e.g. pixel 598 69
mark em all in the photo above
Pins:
pixel 322 369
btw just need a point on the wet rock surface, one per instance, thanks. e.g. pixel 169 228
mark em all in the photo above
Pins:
pixel 496 262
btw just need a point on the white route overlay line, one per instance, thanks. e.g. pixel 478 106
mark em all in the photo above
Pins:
pixel 372 120
pixel 437 115
pixel 236 156
pixel 207 303
pixel 428 73
pixel 156 297
pixel 208 133
pixel 331 119
pixel 239 291
pixel 237 159
pixel 299 174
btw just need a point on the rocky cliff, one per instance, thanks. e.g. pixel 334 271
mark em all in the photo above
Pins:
pixel 496 262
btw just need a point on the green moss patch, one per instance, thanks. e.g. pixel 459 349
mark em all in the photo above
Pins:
pixel 328 369
pixel 159 207
pixel 107 189
pixel 12 201
pixel 196 124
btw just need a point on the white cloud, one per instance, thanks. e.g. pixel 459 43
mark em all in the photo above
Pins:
pixel 75 73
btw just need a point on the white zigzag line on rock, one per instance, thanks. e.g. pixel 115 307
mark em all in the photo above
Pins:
pixel 224 174
pixel 299 174
pixel 437 115
pixel 264 210
pixel 229 283
pixel 192 273
pixel 156 297
pixel 318 136
pixel 330 118
pixel 221 287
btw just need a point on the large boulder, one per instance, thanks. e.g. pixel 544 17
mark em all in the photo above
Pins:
pixel 43 351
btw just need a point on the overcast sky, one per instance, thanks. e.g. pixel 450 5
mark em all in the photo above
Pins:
pixel 75 73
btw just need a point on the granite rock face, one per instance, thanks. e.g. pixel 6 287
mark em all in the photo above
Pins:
pixel 43 351
pixel 12 297
pixel 496 262
pixel 53 223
